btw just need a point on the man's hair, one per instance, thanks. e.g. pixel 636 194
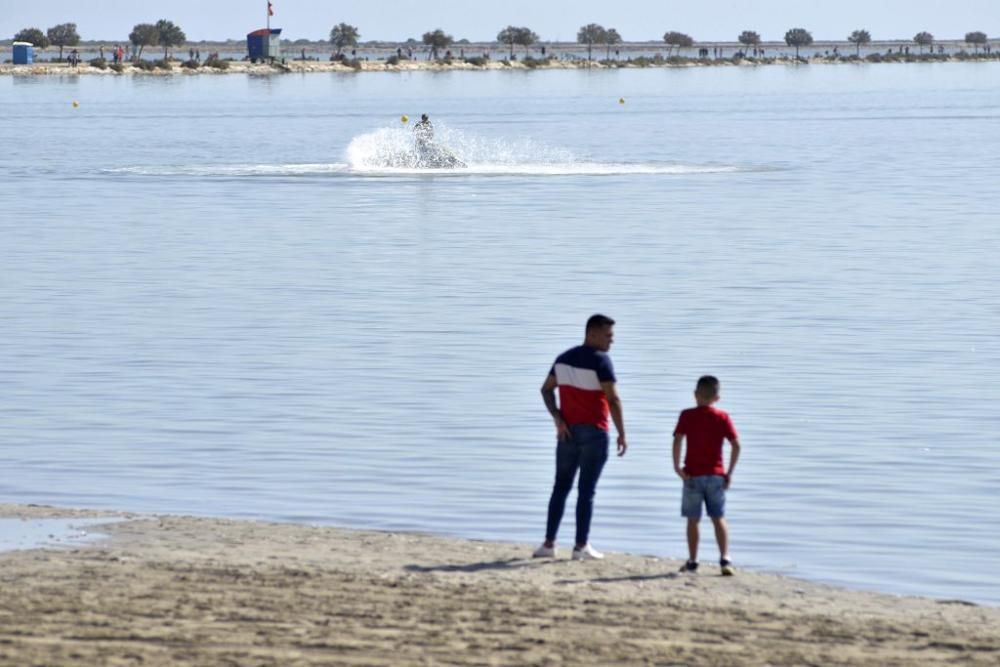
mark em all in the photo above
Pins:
pixel 708 385
pixel 598 322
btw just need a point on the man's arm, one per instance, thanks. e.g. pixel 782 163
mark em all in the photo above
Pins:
pixel 549 396
pixel 734 456
pixel 678 439
pixel 615 404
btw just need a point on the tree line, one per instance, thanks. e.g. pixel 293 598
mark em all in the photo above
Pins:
pixel 167 34
pixel 347 35
pixel 162 33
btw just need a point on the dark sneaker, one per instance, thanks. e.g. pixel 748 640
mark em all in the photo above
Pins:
pixel 690 566
pixel 727 568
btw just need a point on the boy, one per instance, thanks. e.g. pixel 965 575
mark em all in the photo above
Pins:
pixel 705 477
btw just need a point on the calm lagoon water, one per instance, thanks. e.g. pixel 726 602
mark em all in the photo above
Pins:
pixel 217 299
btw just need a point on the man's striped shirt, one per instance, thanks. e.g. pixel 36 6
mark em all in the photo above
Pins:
pixel 579 373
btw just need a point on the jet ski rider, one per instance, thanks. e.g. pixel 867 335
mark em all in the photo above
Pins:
pixel 424 131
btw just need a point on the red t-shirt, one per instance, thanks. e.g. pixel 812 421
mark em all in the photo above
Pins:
pixel 704 428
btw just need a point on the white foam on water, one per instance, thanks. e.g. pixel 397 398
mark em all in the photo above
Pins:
pixel 392 152
pixel 233 170
pixel 472 169
pixel 574 169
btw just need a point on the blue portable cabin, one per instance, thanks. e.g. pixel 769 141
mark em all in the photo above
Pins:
pixel 24 53
pixel 264 44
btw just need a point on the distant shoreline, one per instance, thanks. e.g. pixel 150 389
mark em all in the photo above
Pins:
pixel 178 67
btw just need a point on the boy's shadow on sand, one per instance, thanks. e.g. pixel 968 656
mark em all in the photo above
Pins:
pixel 510 564
pixel 615 580
pixel 505 564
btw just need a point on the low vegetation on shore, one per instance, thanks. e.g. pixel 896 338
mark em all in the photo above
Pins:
pixel 519 47
pixel 392 63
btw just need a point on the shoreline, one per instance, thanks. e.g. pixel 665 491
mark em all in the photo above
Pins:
pixel 163 590
pixel 476 64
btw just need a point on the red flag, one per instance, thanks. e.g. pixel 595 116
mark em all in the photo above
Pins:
pixel 270 8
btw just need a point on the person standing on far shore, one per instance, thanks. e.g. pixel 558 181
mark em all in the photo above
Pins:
pixel 586 381
pixel 705 478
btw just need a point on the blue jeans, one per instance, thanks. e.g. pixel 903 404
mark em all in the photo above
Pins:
pixel 707 490
pixel 585 450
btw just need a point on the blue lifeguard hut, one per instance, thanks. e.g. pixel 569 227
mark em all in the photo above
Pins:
pixel 264 44
pixel 24 53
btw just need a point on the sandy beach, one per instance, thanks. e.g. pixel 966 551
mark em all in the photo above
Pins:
pixel 167 590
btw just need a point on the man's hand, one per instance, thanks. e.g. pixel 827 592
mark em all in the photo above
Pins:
pixel 622 445
pixel 680 473
pixel 562 429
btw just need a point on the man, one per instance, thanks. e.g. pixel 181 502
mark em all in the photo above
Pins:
pixel 424 131
pixel 585 378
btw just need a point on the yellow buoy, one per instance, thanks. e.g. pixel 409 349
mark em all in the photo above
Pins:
pixel 405 118
pixel 621 100
pixel 75 104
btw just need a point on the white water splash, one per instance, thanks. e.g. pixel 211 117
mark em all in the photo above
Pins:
pixel 393 152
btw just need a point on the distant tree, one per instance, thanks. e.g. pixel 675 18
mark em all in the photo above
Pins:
pixel 923 39
pixel 62 35
pixel 749 38
pixel 798 37
pixel 169 35
pixel 977 39
pixel 508 36
pixel 859 38
pixel 33 36
pixel 526 38
pixel 678 39
pixel 344 35
pixel 591 34
pixel 437 39
pixel 611 38
pixel 143 35
pixel 512 35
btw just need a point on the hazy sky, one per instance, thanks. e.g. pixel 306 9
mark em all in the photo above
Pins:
pixel 476 20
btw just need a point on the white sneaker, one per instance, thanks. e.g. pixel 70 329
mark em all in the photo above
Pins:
pixel 587 553
pixel 544 552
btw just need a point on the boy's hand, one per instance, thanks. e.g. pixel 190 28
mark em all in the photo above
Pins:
pixel 622 445
pixel 728 479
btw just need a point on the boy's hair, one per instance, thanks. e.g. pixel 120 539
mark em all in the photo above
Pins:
pixel 708 386
pixel 598 322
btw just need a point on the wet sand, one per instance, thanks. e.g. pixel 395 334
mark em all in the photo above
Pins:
pixel 166 590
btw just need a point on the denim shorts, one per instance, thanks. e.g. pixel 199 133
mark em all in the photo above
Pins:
pixel 709 490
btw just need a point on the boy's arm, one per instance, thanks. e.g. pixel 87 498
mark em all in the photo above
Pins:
pixel 678 439
pixel 734 456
